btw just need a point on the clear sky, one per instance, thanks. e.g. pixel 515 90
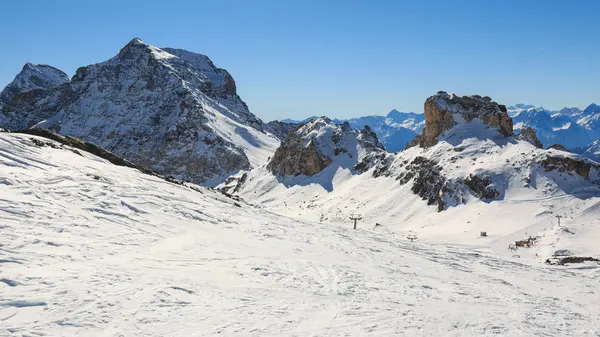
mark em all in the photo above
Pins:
pixel 336 58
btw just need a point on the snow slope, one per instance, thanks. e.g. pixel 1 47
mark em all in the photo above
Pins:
pixel 526 198
pixel 92 249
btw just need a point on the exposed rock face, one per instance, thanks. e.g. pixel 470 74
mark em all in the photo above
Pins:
pixel 481 186
pixel 314 145
pixel 34 77
pixel 443 111
pixel 566 164
pixel 281 129
pixel 428 181
pixel 31 87
pixel 292 158
pixel 369 139
pixel 529 135
pixel 394 131
pixel 167 109
pixel 558 147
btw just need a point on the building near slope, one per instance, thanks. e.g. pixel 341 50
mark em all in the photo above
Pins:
pixel 167 109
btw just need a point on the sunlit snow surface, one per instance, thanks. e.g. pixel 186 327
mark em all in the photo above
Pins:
pixel 91 249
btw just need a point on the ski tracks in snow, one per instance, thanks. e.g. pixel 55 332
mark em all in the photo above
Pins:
pixel 88 248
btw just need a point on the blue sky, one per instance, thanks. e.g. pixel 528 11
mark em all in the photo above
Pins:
pixel 336 58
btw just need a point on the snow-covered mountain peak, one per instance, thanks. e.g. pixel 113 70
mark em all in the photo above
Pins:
pixel 572 111
pixel 320 143
pixel 591 109
pixel 34 76
pixel 167 109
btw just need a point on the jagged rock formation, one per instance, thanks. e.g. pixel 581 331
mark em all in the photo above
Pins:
pixel 529 135
pixel 428 181
pixel 481 186
pixel 443 111
pixel 167 109
pixel 31 87
pixel 469 161
pixel 294 158
pixel 578 166
pixel 34 77
pixel 281 129
pixel 314 145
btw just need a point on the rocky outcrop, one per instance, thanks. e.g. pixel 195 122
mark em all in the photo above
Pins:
pixel 427 181
pixel 394 131
pixel 34 77
pixel 529 135
pixel 481 186
pixel 315 144
pixel 167 109
pixel 443 111
pixel 292 158
pixel 31 87
pixel 369 139
pixel 580 167
pixel 558 147
pixel 281 129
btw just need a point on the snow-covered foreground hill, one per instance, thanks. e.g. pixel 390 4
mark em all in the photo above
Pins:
pixel 92 249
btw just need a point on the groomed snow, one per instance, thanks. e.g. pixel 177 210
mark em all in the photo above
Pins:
pixel 91 249
pixel 530 199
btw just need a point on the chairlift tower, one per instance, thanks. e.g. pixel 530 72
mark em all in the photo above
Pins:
pixel 558 217
pixel 355 218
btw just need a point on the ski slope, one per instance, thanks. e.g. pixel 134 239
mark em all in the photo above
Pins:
pixel 529 197
pixel 92 249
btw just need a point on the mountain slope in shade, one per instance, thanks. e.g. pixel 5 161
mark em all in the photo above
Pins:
pixel 167 109
pixel 94 249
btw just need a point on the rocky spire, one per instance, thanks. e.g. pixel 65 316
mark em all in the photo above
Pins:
pixel 443 111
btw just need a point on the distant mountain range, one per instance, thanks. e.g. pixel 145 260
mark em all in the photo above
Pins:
pixel 395 130
pixel 577 130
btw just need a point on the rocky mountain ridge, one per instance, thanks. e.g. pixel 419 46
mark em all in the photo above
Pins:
pixel 467 152
pixel 575 129
pixel 394 130
pixel 314 145
pixel 167 109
